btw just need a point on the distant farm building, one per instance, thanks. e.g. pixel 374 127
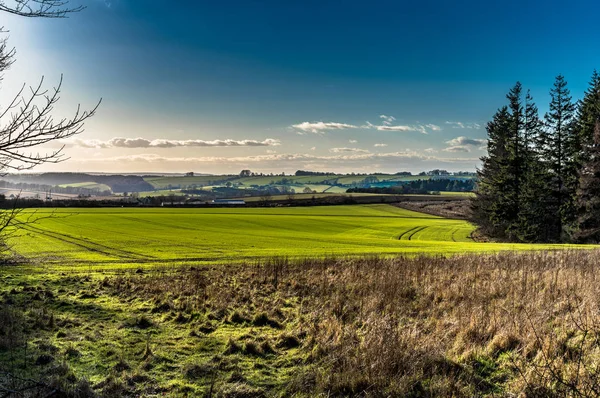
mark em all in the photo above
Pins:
pixel 189 174
pixel 228 202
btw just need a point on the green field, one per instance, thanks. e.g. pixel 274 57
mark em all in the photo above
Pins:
pixel 87 185
pixel 112 237
pixel 219 316
pixel 177 181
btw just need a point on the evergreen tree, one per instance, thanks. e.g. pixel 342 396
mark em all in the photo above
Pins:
pixel 558 142
pixel 524 217
pixel 516 162
pixel 490 207
pixel 588 133
pixel 588 112
pixel 507 202
pixel 588 195
pixel 532 216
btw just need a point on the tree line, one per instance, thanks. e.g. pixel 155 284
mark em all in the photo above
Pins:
pixel 419 187
pixel 540 180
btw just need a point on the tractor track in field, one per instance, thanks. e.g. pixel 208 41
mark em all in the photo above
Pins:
pixel 89 246
pixel 454 231
pixel 418 229
pixel 408 231
pixel 158 224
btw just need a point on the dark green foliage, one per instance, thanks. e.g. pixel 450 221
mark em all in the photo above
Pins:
pixel 588 132
pixel 489 207
pixel 588 113
pixel 557 146
pixel 588 200
pixel 507 203
pixel 529 181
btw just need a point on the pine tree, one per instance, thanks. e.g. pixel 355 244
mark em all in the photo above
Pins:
pixel 558 142
pixel 532 216
pixel 588 195
pixel 490 207
pixel 588 145
pixel 516 163
pixel 588 112
pixel 521 198
pixel 508 204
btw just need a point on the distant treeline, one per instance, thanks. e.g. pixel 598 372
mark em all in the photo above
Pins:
pixel 540 180
pixel 420 187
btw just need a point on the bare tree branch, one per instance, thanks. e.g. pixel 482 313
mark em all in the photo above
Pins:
pixel 6 55
pixel 38 8
pixel 30 123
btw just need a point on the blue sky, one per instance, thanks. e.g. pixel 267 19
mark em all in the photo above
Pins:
pixel 284 85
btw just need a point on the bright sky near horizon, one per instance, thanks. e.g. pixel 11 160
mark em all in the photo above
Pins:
pixel 272 86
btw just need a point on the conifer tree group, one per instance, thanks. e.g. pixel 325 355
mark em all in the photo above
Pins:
pixel 540 180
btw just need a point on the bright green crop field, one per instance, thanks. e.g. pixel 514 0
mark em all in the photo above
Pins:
pixel 135 237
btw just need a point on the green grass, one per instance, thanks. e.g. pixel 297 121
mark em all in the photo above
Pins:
pixel 87 185
pixel 164 182
pixel 132 237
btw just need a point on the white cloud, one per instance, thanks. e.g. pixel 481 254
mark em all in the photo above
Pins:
pixel 313 148
pixel 431 150
pixel 395 128
pixel 462 125
pixel 462 140
pixel 421 128
pixel 352 141
pixel 284 157
pixel 320 127
pixel 387 125
pixel 380 145
pixel 341 150
pixel 120 142
pixel 457 148
pixel 464 144
pixel 433 127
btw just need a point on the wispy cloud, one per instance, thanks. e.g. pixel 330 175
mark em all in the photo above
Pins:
pixel 421 128
pixel 457 148
pixel 342 150
pixel 387 124
pixel 352 141
pixel 387 120
pixel 120 142
pixel 380 145
pixel 284 157
pixel 462 125
pixel 431 150
pixel 320 127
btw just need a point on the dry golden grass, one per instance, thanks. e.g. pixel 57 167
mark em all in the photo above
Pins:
pixel 509 324
pixel 461 326
pixel 456 209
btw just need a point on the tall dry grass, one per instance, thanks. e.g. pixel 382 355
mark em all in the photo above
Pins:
pixel 508 323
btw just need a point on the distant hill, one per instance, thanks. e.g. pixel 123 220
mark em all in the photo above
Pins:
pixel 117 183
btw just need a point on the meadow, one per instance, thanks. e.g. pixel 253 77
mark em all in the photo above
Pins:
pixel 138 237
pixel 498 325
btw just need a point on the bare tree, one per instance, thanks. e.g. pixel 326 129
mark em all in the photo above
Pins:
pixel 27 121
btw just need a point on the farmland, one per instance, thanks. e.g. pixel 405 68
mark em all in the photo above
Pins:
pixel 110 237
pixel 265 301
